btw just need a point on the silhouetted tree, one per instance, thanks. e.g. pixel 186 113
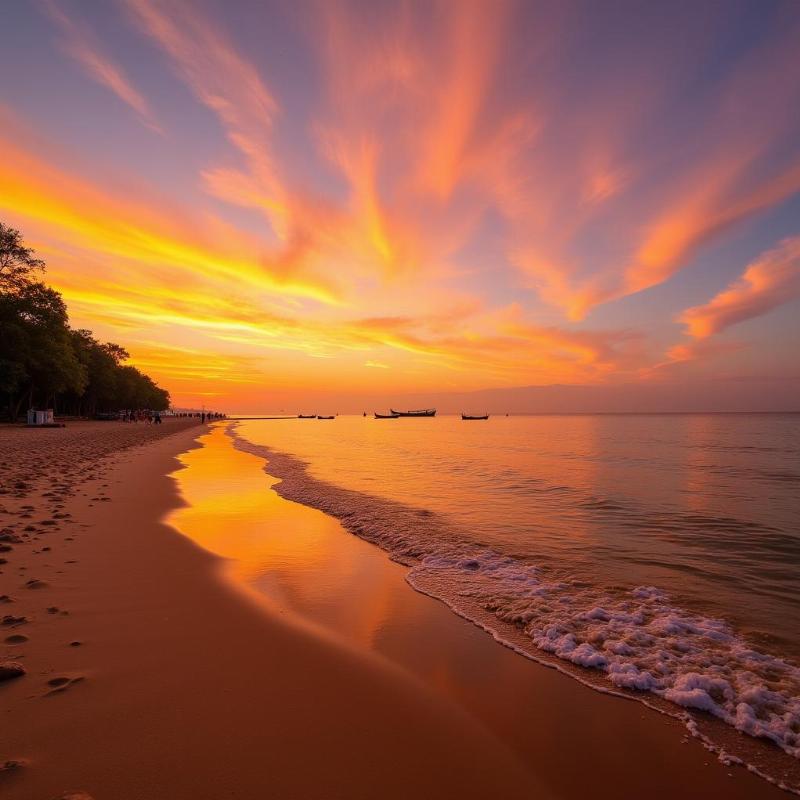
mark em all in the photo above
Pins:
pixel 44 361
pixel 17 262
pixel 36 346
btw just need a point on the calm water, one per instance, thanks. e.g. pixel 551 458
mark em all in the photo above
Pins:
pixel 661 552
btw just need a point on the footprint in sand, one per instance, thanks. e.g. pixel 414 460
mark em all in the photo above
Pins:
pixel 35 583
pixel 62 683
pixel 10 670
pixel 12 765
pixel 16 638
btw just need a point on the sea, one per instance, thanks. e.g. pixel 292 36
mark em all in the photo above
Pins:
pixel 656 556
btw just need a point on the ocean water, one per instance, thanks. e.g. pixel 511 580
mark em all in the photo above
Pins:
pixel 656 555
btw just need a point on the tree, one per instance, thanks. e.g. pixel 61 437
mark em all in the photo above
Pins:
pixel 36 347
pixel 44 361
pixel 17 262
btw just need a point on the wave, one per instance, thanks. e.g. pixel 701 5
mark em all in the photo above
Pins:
pixel 631 641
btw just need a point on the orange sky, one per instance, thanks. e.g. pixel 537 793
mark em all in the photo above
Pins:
pixel 414 197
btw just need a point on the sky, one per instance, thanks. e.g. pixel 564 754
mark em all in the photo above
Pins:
pixel 274 203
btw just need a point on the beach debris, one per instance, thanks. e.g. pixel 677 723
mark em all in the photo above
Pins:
pixel 10 670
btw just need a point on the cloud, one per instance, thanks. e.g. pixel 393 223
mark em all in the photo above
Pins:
pixel 131 227
pixel 229 86
pixel 437 190
pixel 79 43
pixel 770 281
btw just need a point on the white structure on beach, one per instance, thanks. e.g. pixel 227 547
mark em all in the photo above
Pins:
pixel 36 417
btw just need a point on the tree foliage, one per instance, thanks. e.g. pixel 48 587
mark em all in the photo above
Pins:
pixel 17 262
pixel 45 362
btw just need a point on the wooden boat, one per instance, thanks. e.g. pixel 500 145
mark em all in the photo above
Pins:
pixel 320 416
pixel 306 416
pixel 386 416
pixel 474 416
pixel 421 412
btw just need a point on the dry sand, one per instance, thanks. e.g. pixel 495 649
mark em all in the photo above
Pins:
pixel 146 675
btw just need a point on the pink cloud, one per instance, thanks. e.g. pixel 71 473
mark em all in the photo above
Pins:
pixel 80 45
pixel 770 281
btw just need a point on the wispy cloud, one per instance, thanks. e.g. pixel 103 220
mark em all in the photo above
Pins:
pixel 227 84
pixel 80 44
pixel 770 281
pixel 444 195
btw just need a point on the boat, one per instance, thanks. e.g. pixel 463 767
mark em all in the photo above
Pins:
pixel 306 416
pixel 474 416
pixel 421 412
pixel 320 416
pixel 386 416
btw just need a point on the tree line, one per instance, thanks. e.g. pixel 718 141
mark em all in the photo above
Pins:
pixel 44 363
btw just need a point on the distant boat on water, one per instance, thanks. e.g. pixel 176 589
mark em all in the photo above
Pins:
pixel 306 416
pixel 421 412
pixel 321 416
pixel 474 416
pixel 393 415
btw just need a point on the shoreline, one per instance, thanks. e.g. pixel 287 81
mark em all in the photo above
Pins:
pixel 179 687
pixel 191 681
pixel 727 747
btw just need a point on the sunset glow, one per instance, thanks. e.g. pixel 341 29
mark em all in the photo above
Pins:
pixel 412 197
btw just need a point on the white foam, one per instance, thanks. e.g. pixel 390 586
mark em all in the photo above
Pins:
pixel 639 641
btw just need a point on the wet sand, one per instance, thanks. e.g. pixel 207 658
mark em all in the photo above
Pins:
pixel 148 674
pixel 299 666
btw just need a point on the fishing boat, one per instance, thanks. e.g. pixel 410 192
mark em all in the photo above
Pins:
pixel 474 416
pixel 306 416
pixel 321 416
pixel 420 412
pixel 386 416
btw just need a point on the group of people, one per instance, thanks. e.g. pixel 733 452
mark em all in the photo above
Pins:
pixel 141 415
pixel 201 415
pixel 154 417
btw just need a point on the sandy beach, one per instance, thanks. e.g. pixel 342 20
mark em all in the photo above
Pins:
pixel 147 675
